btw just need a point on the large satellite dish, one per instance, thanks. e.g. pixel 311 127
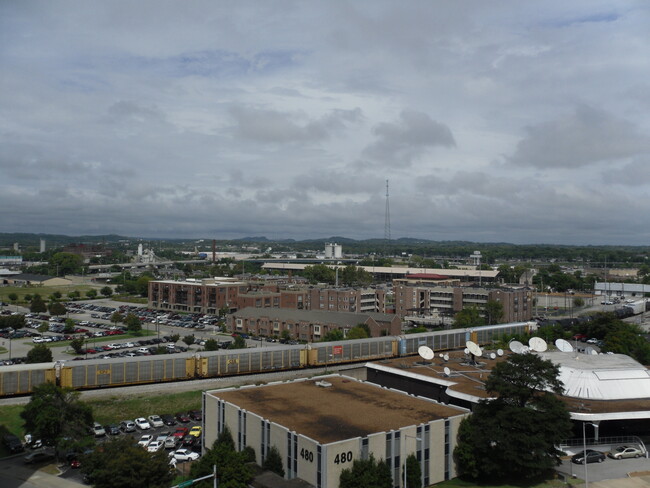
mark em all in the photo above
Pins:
pixel 493 356
pixel 537 344
pixel 473 349
pixel 499 352
pixel 447 371
pixel 563 345
pixel 426 353
pixel 516 347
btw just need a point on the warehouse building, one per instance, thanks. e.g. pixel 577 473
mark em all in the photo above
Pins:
pixel 321 426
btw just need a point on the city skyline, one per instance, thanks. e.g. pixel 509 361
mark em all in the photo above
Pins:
pixel 494 122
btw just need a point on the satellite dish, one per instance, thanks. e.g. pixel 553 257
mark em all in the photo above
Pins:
pixel 473 349
pixel 441 355
pixel 426 353
pixel 525 349
pixel 591 351
pixel 563 345
pixel 446 357
pixel 516 347
pixel 466 351
pixel 537 344
pixel 447 371
pixel 493 356
pixel 499 352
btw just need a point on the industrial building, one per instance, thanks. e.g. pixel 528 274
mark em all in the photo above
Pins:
pixel 321 426
pixel 309 325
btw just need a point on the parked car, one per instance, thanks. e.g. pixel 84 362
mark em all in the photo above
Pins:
pixel 142 424
pixel 196 414
pixel 112 429
pixel 189 441
pixel 44 454
pixel 145 440
pixel 196 431
pixel 12 443
pixel 155 421
pixel 183 455
pixel 623 452
pixel 182 417
pixel 592 457
pixel 181 432
pixel 98 430
pixel 154 446
pixel 168 419
pixel 172 442
pixel 127 426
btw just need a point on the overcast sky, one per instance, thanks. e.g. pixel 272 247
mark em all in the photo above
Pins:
pixel 499 121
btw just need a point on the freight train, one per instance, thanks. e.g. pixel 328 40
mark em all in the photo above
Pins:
pixel 100 373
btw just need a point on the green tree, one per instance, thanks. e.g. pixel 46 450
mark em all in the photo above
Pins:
pixel 273 461
pixel 357 333
pixel 56 295
pixel 189 339
pixel 107 291
pixel 37 305
pixel 211 345
pixel 366 473
pixel 333 335
pixel 285 335
pixel 74 294
pixel 514 436
pixel 142 285
pixel 63 263
pixel 174 337
pixel 57 308
pixel 54 414
pixel 413 472
pixel 77 344
pixel 40 353
pixel 578 302
pixel 238 343
pixel 117 317
pixel 133 323
pixel 493 312
pixel 91 294
pixel 320 273
pixel 13 321
pixel 468 317
pixel 232 470
pixel 69 326
pixel 13 297
pixel 121 463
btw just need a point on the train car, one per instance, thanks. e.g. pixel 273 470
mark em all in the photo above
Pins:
pixel 21 379
pixel 253 360
pixel 97 373
pixel 324 353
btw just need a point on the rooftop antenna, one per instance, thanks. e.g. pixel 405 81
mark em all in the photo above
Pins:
pixel 564 346
pixel 500 352
pixel 516 347
pixel 537 344
pixel 447 371
pixel 474 350
pixel 387 222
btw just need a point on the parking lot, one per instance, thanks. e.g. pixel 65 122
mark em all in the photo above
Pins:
pixel 607 470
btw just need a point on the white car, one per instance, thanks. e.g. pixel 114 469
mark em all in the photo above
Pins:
pixel 154 446
pixel 155 421
pixel 142 424
pixel 184 455
pixel 145 440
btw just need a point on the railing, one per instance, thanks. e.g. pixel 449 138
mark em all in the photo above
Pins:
pixel 590 441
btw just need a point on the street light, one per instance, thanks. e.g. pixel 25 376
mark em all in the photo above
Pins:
pixel 584 447
pixel 406 436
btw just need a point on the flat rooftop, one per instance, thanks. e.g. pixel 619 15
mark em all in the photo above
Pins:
pixel 348 408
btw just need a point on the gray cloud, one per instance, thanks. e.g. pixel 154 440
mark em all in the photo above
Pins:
pixel 585 137
pixel 400 142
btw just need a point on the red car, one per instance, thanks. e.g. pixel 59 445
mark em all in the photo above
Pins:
pixel 181 432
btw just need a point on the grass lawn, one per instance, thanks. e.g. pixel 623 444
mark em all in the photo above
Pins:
pixel 43 291
pixel 129 299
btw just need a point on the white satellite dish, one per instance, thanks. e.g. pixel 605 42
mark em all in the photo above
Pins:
pixel 499 352
pixel 466 351
pixel 537 344
pixel 563 345
pixel 516 347
pixel 426 353
pixel 447 371
pixel 473 349
pixel 525 349
pixel 591 351
pixel 493 356
pixel 446 357
pixel 441 355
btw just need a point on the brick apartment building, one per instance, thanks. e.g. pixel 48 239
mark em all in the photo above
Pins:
pixel 309 325
pixel 210 295
pixel 447 300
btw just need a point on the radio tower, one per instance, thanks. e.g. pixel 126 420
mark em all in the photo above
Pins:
pixel 387 222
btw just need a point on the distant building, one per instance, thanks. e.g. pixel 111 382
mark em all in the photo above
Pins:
pixel 309 325
pixel 427 298
pixel 333 251
pixel 88 251
pixel 320 427
pixel 26 279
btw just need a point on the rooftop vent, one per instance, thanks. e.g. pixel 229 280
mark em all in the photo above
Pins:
pixel 323 384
